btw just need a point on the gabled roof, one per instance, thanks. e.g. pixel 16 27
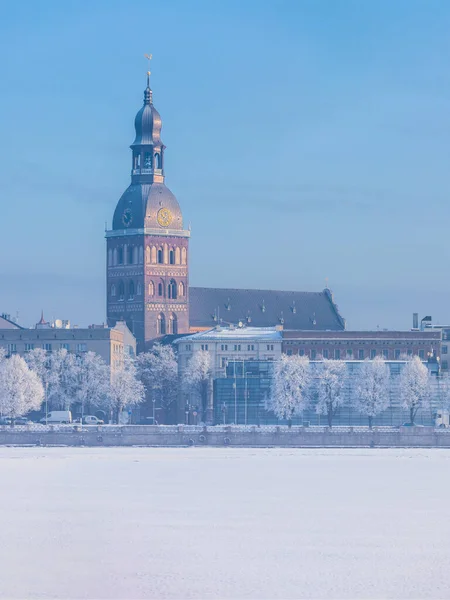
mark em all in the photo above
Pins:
pixel 6 323
pixel 308 311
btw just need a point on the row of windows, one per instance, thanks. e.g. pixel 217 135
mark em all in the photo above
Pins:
pixel 163 255
pixel 237 347
pixel 133 255
pixel 125 255
pixel 82 347
pixel 172 291
pixel 362 354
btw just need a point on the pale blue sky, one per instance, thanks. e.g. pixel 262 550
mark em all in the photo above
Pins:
pixel 305 140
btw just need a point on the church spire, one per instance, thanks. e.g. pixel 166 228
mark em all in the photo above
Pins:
pixel 148 94
pixel 148 148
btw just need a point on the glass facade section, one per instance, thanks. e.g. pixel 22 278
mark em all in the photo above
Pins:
pixel 242 394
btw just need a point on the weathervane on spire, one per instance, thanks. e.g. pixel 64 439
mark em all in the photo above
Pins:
pixel 149 58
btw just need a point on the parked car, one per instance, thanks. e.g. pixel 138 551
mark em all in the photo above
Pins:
pixel 91 420
pixel 5 421
pixel 57 416
pixel 22 421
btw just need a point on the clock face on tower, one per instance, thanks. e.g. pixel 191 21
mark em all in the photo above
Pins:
pixel 164 217
pixel 127 217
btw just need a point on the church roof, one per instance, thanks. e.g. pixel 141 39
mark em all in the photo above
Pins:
pixel 309 311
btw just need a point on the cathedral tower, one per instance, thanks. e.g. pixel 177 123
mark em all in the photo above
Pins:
pixel 147 247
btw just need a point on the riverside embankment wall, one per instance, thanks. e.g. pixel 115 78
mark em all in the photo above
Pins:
pixel 252 436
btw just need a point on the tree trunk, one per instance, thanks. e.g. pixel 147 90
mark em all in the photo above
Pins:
pixel 204 400
pixel 330 418
pixel 412 415
pixel 370 422
pixel 289 423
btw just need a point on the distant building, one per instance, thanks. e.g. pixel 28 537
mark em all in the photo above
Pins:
pixel 359 345
pixel 109 343
pixel 226 345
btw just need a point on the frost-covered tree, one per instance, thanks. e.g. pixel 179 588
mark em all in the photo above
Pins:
pixel 125 390
pixel 331 379
pixel 290 387
pixel 371 392
pixel 414 387
pixel 197 377
pixel 38 360
pixel 158 371
pixel 20 388
pixel 93 380
pixel 59 373
pixel 64 379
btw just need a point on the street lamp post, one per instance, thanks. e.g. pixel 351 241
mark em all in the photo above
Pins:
pixel 46 402
pixel 246 395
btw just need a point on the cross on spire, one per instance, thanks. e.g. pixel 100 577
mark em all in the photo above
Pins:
pixel 149 58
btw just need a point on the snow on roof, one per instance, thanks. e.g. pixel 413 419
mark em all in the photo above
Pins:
pixel 235 333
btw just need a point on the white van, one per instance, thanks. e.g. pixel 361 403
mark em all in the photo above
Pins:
pixel 57 416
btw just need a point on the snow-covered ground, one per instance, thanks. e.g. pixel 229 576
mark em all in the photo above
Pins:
pixel 224 523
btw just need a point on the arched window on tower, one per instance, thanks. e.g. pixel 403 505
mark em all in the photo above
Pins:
pixel 135 255
pixel 172 290
pixel 160 288
pixel 161 324
pixel 131 290
pixel 129 255
pixel 147 254
pixel 160 256
pixel 115 256
pixel 110 258
pixel 113 290
pixel 153 255
pixel 120 255
pixel 171 256
pixel 181 289
pixel 157 160
pixel 148 160
pixel 141 255
pixel 151 289
pixel 137 161
pixel 183 256
pixel 177 256
pixel 121 291
pixel 139 288
pixel 173 324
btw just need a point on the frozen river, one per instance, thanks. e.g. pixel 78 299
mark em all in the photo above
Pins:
pixel 224 523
